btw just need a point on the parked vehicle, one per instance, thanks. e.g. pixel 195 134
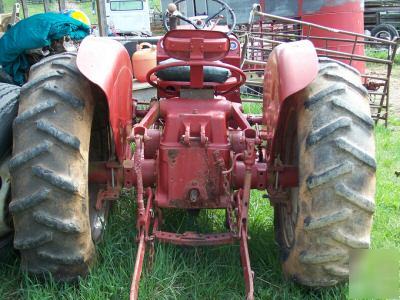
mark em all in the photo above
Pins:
pixel 128 17
pixel 382 18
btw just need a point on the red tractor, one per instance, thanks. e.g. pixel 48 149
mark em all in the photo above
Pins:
pixel 79 138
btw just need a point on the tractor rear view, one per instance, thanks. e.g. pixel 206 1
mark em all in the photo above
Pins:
pixel 79 138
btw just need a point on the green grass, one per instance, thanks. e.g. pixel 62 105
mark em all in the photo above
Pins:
pixel 386 232
pixel 33 9
pixel 381 54
pixel 215 272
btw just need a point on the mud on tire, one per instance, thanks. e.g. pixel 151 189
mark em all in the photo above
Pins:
pixel 331 211
pixel 49 169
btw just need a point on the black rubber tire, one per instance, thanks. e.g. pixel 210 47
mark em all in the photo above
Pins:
pixel 49 170
pixel 5 78
pixel 6 234
pixel 388 29
pixel 332 208
pixel 9 95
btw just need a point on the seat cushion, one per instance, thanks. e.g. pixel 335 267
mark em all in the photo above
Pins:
pixel 182 73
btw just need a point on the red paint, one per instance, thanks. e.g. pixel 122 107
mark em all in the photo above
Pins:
pixel 228 56
pixel 194 131
pixel 195 44
pixel 194 153
pixel 285 74
pixel 194 156
pixel 106 63
pixel 195 239
pixel 347 16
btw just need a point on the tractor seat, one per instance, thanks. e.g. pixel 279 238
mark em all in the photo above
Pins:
pixel 182 73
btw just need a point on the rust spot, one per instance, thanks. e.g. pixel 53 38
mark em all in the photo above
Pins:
pixel 172 154
pixel 177 203
pixel 212 190
pixel 184 204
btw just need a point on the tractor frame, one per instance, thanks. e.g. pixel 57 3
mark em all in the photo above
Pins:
pixel 227 168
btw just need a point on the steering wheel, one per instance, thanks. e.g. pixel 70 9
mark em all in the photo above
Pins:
pixel 172 11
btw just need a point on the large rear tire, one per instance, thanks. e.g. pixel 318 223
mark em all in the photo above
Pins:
pixel 49 169
pixel 332 142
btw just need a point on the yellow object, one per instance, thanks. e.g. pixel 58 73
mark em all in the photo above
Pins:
pixel 143 60
pixel 78 15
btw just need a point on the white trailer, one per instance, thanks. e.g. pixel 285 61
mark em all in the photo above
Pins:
pixel 128 17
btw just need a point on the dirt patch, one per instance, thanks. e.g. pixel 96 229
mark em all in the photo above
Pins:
pixel 394 91
pixel 394 101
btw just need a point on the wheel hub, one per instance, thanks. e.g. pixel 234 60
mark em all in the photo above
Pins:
pixel 289 214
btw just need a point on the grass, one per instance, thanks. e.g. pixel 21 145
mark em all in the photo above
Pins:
pixel 381 54
pixel 33 9
pixel 209 273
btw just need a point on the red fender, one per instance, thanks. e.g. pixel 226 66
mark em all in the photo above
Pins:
pixel 107 64
pixel 290 68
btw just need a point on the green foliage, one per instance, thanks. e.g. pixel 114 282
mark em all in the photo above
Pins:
pixel 155 4
pixel 381 54
pixel 252 108
pixel 386 230
pixel 133 147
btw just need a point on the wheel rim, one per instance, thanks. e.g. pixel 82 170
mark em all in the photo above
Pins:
pixel 384 35
pixel 99 140
pixel 98 218
pixel 289 219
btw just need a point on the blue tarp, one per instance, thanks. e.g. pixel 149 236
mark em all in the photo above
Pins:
pixel 35 32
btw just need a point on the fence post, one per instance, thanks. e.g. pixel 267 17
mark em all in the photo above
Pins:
pixel 46 5
pixel 25 8
pixel 61 5
pixel 101 17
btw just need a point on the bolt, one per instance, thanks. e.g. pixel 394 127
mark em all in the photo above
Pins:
pixel 194 195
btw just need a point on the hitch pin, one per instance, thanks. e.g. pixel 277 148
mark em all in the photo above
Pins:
pixel 112 178
pixel 277 163
pixel 276 180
